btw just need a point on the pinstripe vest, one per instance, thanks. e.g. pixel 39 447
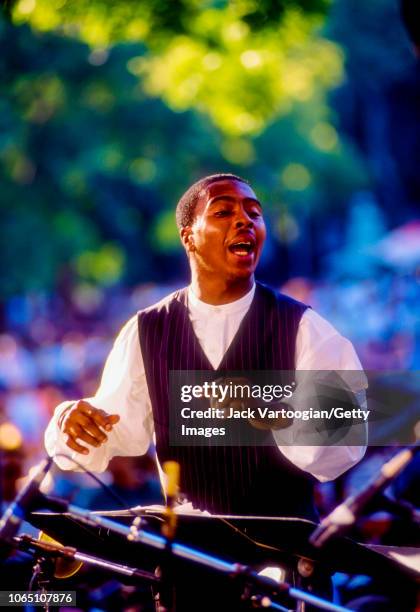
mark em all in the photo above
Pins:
pixel 227 479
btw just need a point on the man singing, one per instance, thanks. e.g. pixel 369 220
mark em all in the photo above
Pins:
pixel 225 321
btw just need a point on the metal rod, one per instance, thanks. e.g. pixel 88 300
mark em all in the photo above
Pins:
pixel 27 543
pixel 116 567
pixel 316 601
pixel 134 534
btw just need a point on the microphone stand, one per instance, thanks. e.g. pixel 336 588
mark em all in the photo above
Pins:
pixel 46 551
pixel 346 513
pixel 12 519
pixel 234 570
pixel 33 546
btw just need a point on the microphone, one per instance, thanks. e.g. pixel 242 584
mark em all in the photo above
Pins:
pixel 344 515
pixel 16 512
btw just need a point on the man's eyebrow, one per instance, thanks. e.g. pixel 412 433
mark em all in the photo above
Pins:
pixel 229 198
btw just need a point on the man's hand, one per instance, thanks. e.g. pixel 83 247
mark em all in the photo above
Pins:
pixel 276 423
pixel 85 423
pixel 237 403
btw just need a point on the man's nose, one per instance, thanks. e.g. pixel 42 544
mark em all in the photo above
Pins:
pixel 242 219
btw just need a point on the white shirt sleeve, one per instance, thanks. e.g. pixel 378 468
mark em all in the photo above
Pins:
pixel 123 391
pixel 320 347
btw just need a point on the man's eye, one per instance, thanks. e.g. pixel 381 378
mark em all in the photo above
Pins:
pixel 255 214
pixel 222 213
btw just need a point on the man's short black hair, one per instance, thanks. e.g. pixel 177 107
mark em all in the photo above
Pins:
pixel 186 206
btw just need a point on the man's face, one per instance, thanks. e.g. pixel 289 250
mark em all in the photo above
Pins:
pixel 228 231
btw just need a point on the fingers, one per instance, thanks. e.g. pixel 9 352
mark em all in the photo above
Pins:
pixel 100 417
pixel 104 420
pixel 112 420
pixel 78 425
pixel 71 443
pixel 84 423
pixel 87 430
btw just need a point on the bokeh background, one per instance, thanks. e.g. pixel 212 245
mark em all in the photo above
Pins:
pixel 109 111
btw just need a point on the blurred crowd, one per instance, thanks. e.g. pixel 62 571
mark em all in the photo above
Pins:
pixel 55 346
pixel 54 349
pixel 379 315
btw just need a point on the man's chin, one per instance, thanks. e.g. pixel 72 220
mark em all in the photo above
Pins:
pixel 241 273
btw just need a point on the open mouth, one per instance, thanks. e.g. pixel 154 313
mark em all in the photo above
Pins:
pixel 242 248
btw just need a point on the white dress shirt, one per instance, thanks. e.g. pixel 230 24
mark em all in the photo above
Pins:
pixel 123 388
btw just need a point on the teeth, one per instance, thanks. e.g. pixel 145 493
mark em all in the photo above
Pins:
pixel 241 248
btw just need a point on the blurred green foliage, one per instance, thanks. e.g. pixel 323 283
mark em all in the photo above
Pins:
pixel 100 132
pixel 242 62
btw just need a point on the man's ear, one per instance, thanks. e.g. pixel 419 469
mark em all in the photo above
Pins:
pixel 187 239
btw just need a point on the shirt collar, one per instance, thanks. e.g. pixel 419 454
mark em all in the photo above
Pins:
pixel 238 305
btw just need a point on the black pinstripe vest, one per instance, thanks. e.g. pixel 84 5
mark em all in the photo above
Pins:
pixel 227 479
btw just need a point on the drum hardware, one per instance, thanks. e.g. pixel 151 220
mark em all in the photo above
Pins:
pixel 53 550
pixel 49 553
pixel 305 567
pixel 46 551
pixel 202 559
pixel 41 577
pixel 64 566
pixel 262 601
pixel 134 529
pixel 258 590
